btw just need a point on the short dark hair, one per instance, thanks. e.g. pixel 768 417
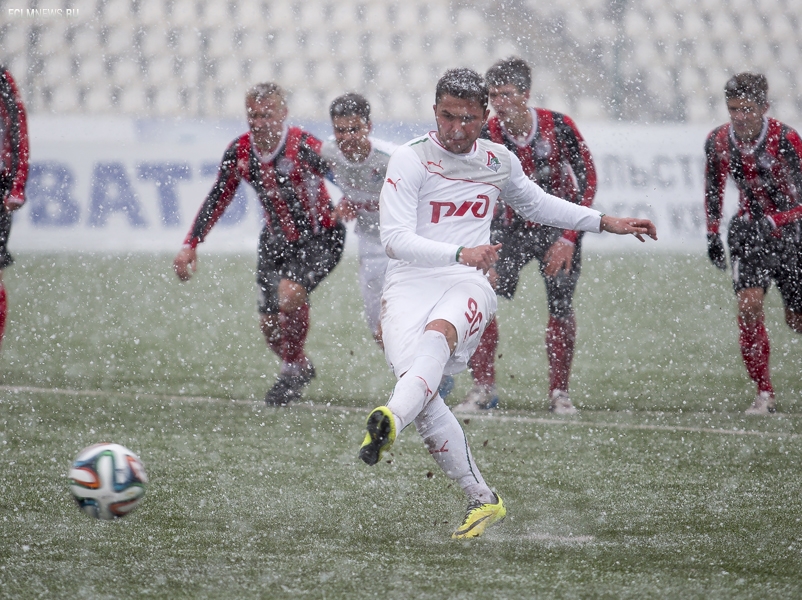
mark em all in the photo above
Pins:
pixel 748 86
pixel 263 90
pixel 466 84
pixel 510 71
pixel 349 105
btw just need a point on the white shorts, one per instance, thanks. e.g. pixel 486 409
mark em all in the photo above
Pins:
pixel 372 267
pixel 414 297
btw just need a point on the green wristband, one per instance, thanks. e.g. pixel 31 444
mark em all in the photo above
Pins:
pixel 458 251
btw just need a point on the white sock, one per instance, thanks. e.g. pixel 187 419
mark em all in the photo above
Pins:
pixel 419 384
pixel 446 441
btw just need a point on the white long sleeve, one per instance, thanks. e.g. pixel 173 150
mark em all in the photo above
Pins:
pixel 531 202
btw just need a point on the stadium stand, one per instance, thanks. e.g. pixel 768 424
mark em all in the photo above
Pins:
pixel 650 61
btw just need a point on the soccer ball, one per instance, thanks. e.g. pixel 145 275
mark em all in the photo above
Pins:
pixel 107 481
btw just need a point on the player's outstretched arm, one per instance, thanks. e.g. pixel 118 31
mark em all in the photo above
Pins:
pixel 482 257
pixel 185 263
pixel 625 225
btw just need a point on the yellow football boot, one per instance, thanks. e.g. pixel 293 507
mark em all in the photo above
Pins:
pixel 479 517
pixel 380 435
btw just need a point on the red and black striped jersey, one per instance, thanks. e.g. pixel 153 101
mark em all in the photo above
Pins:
pixel 554 155
pixel 14 136
pixel 289 184
pixel 768 173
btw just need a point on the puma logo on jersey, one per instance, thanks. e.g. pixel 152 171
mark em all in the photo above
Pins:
pixel 450 209
pixel 394 183
pixel 493 163
pixel 438 164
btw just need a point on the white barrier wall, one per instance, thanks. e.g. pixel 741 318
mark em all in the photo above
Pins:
pixel 120 185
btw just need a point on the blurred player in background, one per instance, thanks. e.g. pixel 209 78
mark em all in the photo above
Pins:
pixel 435 212
pixel 764 158
pixel 358 163
pixel 554 155
pixel 13 171
pixel 302 240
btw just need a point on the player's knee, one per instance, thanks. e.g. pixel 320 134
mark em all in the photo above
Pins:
pixel 291 296
pixel 794 320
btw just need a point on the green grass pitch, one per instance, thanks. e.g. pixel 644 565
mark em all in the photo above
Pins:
pixel 659 488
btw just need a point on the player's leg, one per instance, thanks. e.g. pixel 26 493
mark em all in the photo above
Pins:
pixel 301 269
pixel 753 340
pixel 448 445
pixel 451 328
pixel 5 260
pixel 516 252
pixel 3 308
pixel 372 267
pixel 561 332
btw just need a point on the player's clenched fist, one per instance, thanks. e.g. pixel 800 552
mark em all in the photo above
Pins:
pixel 185 263
pixel 482 257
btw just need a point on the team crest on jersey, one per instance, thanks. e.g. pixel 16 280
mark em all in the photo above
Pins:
pixel 493 163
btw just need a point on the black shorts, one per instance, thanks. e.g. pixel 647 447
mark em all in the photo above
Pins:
pixel 306 262
pixel 757 261
pixel 5 222
pixel 522 244
pixel 5 230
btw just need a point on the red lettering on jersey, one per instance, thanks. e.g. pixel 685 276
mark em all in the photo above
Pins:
pixel 477 209
pixel 436 206
pixel 394 183
pixel 483 207
pixel 474 317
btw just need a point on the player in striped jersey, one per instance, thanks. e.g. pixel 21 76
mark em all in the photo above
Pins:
pixel 764 158
pixel 302 240
pixel 554 155
pixel 436 206
pixel 13 171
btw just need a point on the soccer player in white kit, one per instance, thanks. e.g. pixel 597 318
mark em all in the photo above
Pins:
pixel 435 211
pixel 358 162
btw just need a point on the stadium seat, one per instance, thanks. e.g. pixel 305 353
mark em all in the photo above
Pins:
pixel 119 39
pixel 133 101
pixel 65 99
pixel 126 70
pixel 153 41
pixel 188 42
pixel 218 41
pixel 262 69
pixel 91 69
pixel 184 13
pixel 115 12
pixel 152 13
pixel 252 12
pixel 215 14
pixel 160 70
pixel 56 70
pixel 166 102
pixel 98 99
pixel 15 39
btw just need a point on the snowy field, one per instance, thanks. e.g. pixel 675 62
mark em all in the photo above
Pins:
pixel 659 488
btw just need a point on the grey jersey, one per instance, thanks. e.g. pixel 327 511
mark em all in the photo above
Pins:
pixel 361 182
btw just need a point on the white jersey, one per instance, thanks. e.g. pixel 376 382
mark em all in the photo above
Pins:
pixel 361 182
pixel 434 201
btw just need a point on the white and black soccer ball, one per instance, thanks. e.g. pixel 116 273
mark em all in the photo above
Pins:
pixel 107 480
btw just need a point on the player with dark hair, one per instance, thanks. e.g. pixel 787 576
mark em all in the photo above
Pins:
pixel 554 155
pixel 302 240
pixel 436 206
pixel 13 171
pixel 358 163
pixel 764 158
